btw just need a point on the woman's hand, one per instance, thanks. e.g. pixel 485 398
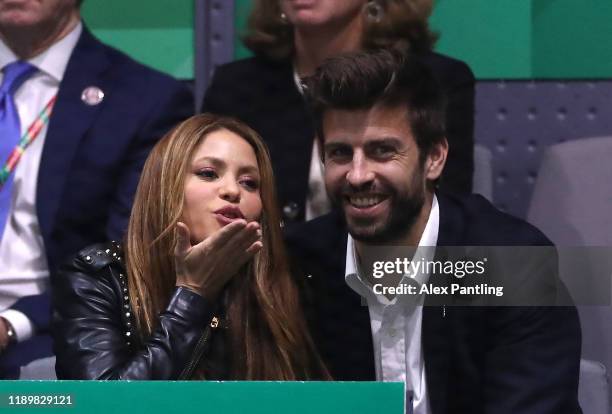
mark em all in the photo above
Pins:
pixel 207 266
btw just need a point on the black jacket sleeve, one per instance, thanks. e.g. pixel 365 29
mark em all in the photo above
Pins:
pixel 94 331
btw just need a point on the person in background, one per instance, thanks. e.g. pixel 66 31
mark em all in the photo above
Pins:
pixel 380 121
pixel 290 39
pixel 77 120
pixel 201 288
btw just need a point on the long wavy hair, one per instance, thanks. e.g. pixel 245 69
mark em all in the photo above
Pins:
pixel 402 24
pixel 266 330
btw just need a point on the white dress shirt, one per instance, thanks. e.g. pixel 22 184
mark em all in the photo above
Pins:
pixel 23 264
pixel 396 323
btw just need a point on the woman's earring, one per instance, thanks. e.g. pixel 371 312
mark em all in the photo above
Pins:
pixel 283 18
pixel 374 11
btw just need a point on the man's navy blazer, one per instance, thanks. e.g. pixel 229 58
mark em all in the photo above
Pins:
pixel 92 159
pixel 477 360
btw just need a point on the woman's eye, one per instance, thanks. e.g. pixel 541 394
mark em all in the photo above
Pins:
pixel 250 184
pixel 207 174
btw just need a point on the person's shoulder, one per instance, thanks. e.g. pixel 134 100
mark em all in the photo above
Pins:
pixel 152 98
pixel 317 246
pixel 322 233
pixel 126 70
pixel 248 67
pixel 96 257
pixel 242 83
pixel 238 88
pixel 96 270
pixel 484 224
pixel 447 68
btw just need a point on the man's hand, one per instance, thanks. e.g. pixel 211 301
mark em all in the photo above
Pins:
pixel 207 266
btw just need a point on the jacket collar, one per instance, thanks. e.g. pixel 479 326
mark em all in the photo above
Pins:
pixel 452 222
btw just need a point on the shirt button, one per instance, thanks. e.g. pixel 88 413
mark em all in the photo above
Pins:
pixel 392 332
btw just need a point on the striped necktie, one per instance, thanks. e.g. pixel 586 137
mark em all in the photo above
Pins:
pixel 10 129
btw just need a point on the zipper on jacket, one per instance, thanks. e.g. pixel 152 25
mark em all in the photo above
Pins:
pixel 199 350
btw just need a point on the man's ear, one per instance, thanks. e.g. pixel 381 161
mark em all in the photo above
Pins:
pixel 436 159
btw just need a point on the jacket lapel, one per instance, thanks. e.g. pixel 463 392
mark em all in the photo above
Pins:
pixel 452 222
pixel 436 319
pixel 357 346
pixel 69 122
pixel 339 321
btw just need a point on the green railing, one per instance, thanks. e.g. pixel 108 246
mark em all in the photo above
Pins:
pixel 161 397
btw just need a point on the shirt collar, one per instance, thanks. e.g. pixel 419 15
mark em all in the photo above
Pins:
pixel 299 84
pixel 429 238
pixel 52 61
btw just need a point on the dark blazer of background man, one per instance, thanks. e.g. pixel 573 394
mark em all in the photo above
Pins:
pixel 380 119
pixel 109 113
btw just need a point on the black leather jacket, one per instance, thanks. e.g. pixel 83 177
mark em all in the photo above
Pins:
pixel 95 332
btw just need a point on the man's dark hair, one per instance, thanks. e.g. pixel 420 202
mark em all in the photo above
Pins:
pixel 362 80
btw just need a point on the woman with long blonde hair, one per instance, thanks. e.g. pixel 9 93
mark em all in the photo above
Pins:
pixel 201 288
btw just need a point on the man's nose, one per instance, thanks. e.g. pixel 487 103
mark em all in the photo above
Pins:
pixel 360 173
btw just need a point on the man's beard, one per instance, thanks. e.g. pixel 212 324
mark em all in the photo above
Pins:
pixel 403 212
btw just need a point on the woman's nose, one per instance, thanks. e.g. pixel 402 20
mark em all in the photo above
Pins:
pixel 230 191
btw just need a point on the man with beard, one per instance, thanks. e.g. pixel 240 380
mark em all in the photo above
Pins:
pixel 380 120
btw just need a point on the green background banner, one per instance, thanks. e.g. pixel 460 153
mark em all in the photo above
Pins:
pixel 160 397
pixel 158 33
